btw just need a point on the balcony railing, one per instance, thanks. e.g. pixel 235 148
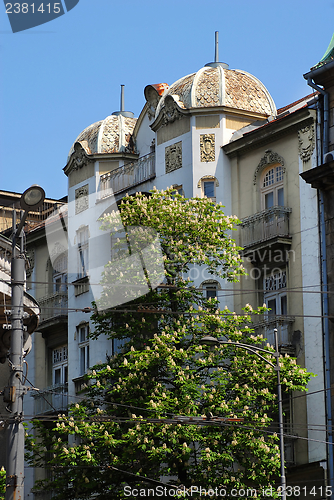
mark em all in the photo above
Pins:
pixel 50 399
pixel 265 225
pixel 53 305
pixel 127 176
pixel 266 326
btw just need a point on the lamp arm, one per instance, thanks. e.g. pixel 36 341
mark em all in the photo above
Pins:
pixel 250 349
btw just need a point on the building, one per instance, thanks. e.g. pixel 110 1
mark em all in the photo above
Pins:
pixel 321 178
pixel 279 235
pixel 40 302
pixel 214 133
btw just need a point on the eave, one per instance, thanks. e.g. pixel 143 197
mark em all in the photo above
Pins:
pixel 209 110
pixel 101 156
pixel 321 177
pixel 270 132
pixel 322 75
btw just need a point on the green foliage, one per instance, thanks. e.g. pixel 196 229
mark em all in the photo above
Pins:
pixel 125 429
pixel 2 483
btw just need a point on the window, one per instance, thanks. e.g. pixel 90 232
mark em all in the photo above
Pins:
pixel 82 241
pixel 210 289
pixel 272 189
pixel 275 298
pixel 60 274
pixel 209 189
pixel 59 366
pixel 178 189
pixel 274 295
pixel 83 341
pixel 208 186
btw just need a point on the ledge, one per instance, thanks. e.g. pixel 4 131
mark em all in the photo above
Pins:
pixel 321 177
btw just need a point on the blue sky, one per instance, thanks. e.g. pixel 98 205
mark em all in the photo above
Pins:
pixel 58 78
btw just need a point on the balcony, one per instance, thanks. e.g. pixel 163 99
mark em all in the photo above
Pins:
pixel 53 306
pixel 51 399
pixel 129 175
pixel 269 227
pixel 266 326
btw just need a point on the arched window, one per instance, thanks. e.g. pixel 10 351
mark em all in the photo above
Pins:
pixel 60 274
pixel 272 187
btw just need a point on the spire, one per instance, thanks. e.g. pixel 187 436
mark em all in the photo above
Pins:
pixel 127 114
pixel 329 54
pixel 216 63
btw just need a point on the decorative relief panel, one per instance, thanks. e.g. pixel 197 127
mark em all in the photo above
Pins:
pixel 207 147
pixel 306 138
pixel 173 157
pixel 79 158
pixel 171 111
pixel 81 199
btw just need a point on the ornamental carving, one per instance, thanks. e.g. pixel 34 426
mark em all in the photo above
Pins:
pixel 171 111
pixel 269 158
pixel 207 147
pixel 306 139
pixel 79 158
pixel 81 199
pixel 173 157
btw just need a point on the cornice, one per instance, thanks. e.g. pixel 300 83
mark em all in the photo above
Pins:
pixel 270 132
pixel 211 110
pixel 97 157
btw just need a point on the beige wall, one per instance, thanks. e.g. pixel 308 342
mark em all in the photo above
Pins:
pixel 246 200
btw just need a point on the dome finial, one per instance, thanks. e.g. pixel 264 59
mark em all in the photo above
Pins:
pixel 216 46
pixel 127 114
pixel 216 63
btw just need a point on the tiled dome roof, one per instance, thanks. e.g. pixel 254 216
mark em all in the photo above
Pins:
pixel 219 86
pixel 111 135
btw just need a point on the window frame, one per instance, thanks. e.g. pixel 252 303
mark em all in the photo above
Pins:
pixel 60 365
pixel 83 347
pixel 82 237
pixel 272 187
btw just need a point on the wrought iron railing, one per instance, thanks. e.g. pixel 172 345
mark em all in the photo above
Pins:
pixel 5 254
pixel 50 399
pixel 265 225
pixel 266 326
pixel 53 305
pixel 128 175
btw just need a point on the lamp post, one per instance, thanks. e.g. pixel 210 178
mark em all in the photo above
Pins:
pixel 31 199
pixel 211 341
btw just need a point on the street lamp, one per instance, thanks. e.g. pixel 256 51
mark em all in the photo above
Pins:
pixel 31 199
pixel 212 341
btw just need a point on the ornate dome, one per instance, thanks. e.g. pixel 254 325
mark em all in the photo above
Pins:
pixel 111 135
pixel 219 86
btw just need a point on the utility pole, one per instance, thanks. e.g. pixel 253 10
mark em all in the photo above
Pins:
pixel 15 391
pixel 31 199
pixel 280 417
